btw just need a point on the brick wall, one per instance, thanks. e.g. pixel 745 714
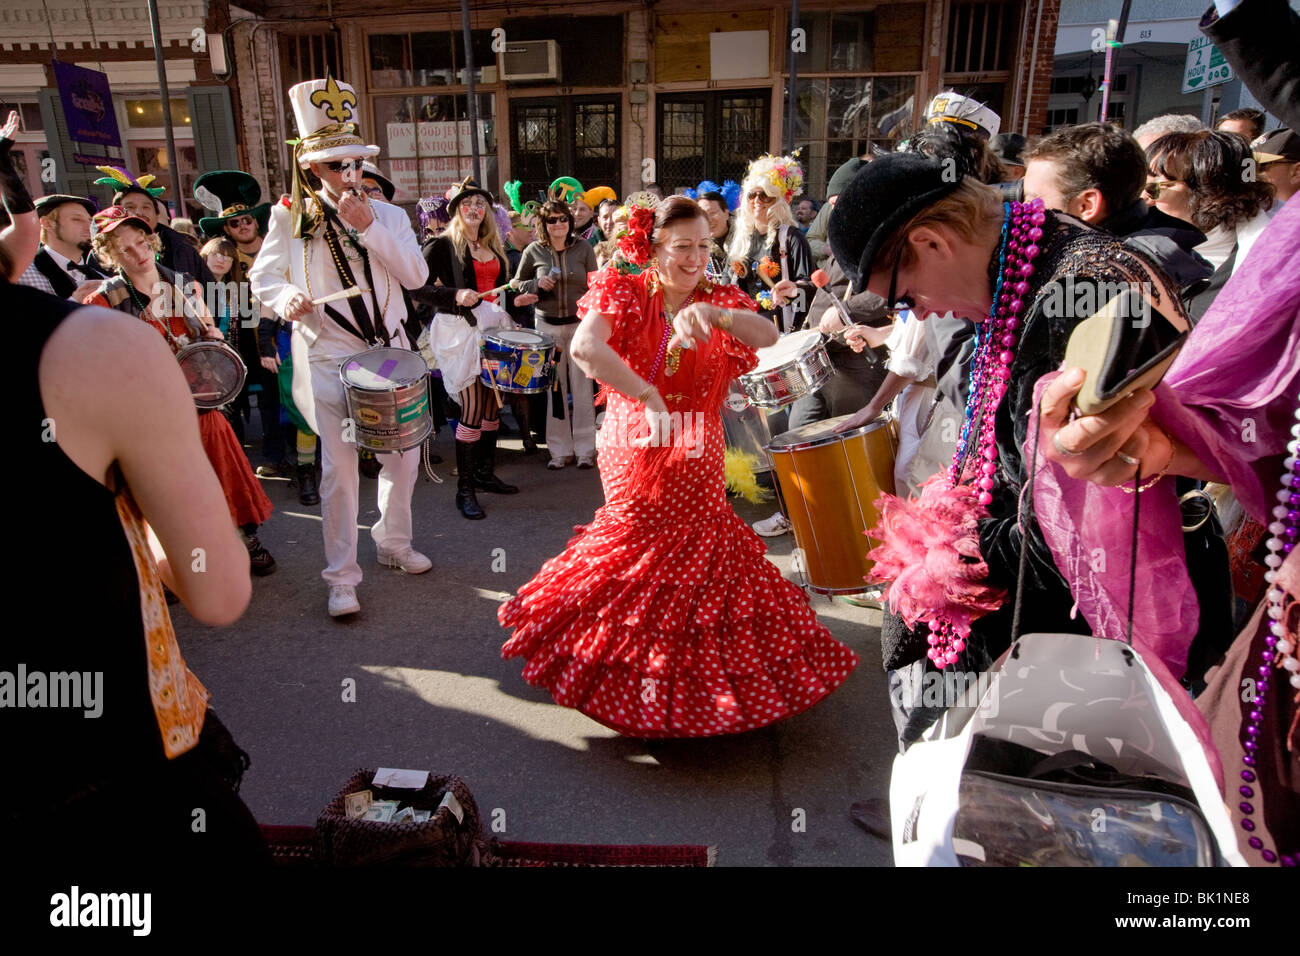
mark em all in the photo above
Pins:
pixel 1041 34
pixel 256 107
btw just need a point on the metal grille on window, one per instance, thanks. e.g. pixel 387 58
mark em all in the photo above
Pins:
pixel 742 134
pixel 534 148
pixel 975 38
pixel 595 138
pixel 682 160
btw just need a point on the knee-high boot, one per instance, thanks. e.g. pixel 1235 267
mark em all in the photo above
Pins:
pixel 465 499
pixel 519 405
pixel 485 457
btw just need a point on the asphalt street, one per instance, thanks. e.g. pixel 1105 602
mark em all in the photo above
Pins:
pixel 432 693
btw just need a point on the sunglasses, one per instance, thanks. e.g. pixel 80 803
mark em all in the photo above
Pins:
pixel 240 221
pixel 344 166
pixel 1155 189
pixel 899 304
pixel 762 197
pixel 556 220
pixel 373 191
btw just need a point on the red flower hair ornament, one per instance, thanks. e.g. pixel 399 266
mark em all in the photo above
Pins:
pixel 635 242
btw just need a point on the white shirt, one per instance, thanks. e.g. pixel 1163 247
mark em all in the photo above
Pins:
pixel 286 267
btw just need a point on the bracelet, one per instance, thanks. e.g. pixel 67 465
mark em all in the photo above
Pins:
pixel 645 393
pixel 725 320
pixel 1152 482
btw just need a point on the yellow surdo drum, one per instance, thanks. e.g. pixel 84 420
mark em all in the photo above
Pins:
pixel 830 484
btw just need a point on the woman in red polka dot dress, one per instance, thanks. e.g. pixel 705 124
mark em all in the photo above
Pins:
pixel 662 617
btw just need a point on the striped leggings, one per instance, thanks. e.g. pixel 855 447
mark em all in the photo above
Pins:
pixel 478 411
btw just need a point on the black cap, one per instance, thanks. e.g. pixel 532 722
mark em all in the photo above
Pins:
pixel 47 204
pixel 883 196
pixel 1283 143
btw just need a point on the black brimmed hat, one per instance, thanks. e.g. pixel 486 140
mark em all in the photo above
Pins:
pixel 883 196
pixel 463 190
pixel 47 204
pixel 370 171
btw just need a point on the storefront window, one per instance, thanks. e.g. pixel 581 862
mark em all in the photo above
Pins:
pixel 860 41
pixel 839 118
pixel 147 114
pixel 425 142
pixel 435 58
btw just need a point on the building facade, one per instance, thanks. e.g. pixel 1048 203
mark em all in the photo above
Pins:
pixel 1148 69
pixel 613 93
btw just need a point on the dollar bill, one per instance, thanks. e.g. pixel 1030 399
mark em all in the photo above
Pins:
pixel 423 816
pixel 381 811
pixel 404 815
pixel 356 804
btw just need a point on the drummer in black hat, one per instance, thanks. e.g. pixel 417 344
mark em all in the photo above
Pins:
pixel 913 235
pixel 468 259
pixel 233 200
pixel 61 266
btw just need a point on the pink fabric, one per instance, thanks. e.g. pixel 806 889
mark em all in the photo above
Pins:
pixel 1230 397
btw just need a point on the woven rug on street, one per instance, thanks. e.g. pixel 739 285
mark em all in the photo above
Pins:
pixel 292 846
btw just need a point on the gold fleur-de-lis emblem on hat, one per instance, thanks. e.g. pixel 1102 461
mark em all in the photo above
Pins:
pixel 340 101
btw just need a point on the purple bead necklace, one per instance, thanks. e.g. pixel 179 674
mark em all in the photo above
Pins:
pixel 1278 650
pixel 991 373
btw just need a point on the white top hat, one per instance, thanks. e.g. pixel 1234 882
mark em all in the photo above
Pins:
pixel 326 115
pixel 954 108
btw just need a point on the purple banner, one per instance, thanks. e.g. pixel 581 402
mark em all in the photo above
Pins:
pixel 87 105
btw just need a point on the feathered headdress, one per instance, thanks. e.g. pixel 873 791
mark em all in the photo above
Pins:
pixel 527 209
pixel 729 190
pixel 122 181
pixel 782 173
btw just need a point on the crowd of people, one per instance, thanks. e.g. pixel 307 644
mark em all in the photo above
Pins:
pixel 943 299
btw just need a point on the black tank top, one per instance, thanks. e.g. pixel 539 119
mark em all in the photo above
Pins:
pixel 74 600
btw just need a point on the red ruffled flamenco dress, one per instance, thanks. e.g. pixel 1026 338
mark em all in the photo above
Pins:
pixel 662 617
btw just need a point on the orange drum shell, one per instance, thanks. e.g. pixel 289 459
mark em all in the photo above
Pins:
pixel 830 491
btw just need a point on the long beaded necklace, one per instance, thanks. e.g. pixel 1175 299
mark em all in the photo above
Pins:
pixel 1278 651
pixel 144 304
pixel 996 339
pixel 674 359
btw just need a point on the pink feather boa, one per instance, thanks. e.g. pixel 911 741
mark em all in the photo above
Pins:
pixel 930 556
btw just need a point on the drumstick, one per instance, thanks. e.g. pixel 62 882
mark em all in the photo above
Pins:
pixel 335 296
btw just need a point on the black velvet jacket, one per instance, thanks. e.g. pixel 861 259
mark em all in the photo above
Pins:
pixel 452 275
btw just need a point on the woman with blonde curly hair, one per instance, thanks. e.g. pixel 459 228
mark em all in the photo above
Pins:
pixel 769 254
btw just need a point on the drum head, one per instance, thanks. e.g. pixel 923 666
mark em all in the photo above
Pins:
pixel 787 348
pixel 521 338
pixel 214 372
pixel 383 369
pixel 821 433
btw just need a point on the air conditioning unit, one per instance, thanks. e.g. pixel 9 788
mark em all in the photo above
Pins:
pixel 530 60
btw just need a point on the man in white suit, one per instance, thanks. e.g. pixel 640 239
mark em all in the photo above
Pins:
pixel 323 242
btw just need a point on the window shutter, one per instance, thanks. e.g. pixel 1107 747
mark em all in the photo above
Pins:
pixel 72 178
pixel 212 120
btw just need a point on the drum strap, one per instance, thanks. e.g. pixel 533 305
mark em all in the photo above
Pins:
pixel 364 328
pixel 787 311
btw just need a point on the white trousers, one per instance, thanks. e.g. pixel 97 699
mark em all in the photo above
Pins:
pixel 575 434
pixel 340 484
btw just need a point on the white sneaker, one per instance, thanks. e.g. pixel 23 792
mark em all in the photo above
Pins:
pixel 343 600
pixel 774 526
pixel 586 461
pixel 555 464
pixel 408 559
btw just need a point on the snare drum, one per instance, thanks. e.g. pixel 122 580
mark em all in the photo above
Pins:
pixel 797 365
pixel 518 361
pixel 745 427
pixel 214 372
pixel 830 484
pixel 388 398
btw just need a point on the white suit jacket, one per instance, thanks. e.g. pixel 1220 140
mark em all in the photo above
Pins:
pixel 281 271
